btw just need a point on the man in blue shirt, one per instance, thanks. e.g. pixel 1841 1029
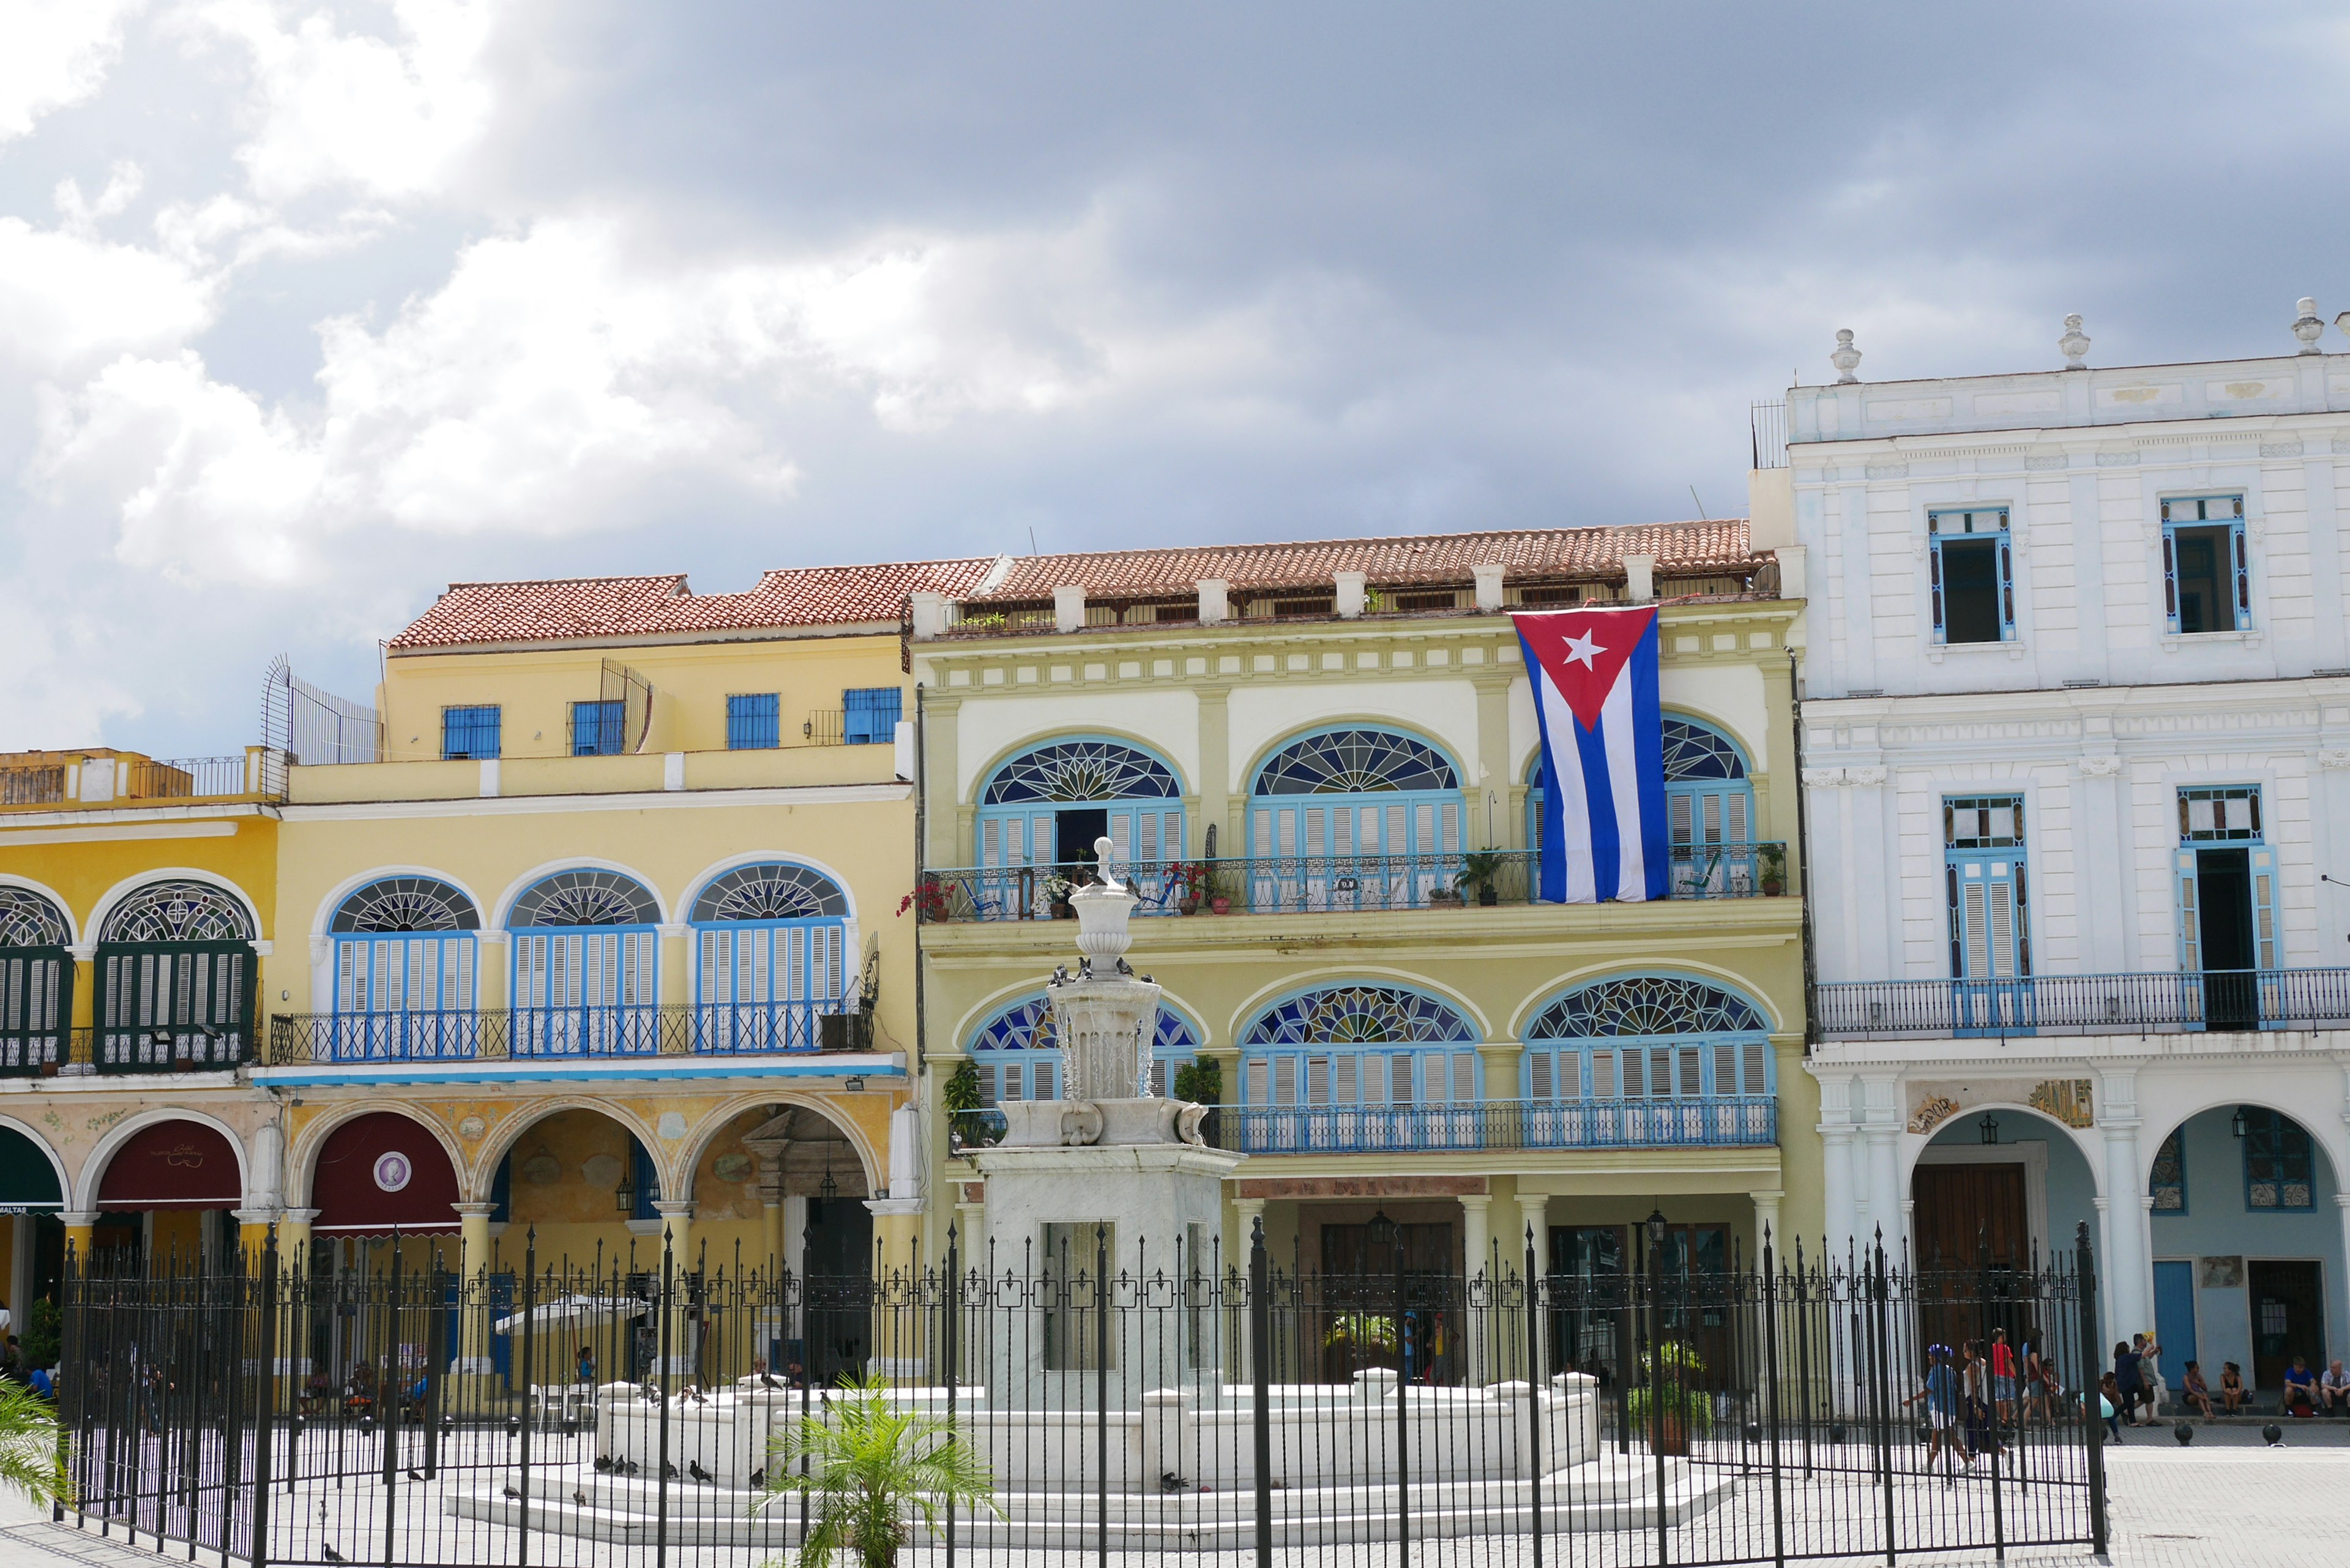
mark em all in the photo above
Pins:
pixel 1942 1395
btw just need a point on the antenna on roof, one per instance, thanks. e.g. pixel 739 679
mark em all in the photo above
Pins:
pixel 1032 538
pixel 1700 505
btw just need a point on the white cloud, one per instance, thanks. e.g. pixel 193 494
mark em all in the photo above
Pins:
pixel 558 372
pixel 70 300
pixel 54 53
pixel 390 118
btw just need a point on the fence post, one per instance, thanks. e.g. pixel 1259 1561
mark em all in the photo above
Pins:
pixel 666 1307
pixel 529 1342
pixel 1260 1377
pixel 1880 1382
pixel 1403 1389
pixel 1101 1394
pixel 1655 1276
pixel 948 1330
pixel 1535 1398
pixel 2086 1268
pixel 266 1406
pixel 1771 1395
pixel 436 1364
pixel 387 1395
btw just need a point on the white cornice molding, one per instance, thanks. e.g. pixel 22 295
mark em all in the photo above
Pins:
pixel 160 820
pixel 647 800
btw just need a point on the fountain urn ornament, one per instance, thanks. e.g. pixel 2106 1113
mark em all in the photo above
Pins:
pixel 1846 358
pixel 2074 344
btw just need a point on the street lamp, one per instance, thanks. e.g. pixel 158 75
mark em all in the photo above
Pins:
pixel 1656 1227
pixel 1990 1126
pixel 624 1197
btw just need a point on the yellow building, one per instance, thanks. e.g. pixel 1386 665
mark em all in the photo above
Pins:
pixel 1318 761
pixel 604 953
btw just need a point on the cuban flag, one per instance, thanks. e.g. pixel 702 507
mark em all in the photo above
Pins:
pixel 1594 676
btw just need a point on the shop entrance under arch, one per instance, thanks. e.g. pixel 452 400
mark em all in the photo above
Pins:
pixel 33 1241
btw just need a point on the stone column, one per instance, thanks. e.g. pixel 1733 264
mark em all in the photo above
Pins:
pixel 1488 827
pixel 672 983
pixel 1215 783
pixel 900 1340
pixel 1533 1215
pixel 253 1231
pixel 473 1327
pixel 1477 1265
pixel 294 1240
pixel 1884 1193
pixel 1835 1154
pixel 81 1227
pixel 1766 1223
pixel 677 1226
pixel 942 821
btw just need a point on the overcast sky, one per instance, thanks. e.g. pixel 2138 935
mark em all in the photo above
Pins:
pixel 307 310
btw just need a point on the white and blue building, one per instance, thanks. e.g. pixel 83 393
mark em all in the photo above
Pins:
pixel 2077 769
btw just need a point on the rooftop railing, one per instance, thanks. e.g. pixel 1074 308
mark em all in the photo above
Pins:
pixel 1729 1121
pixel 1334 884
pixel 2220 1000
pixel 48 780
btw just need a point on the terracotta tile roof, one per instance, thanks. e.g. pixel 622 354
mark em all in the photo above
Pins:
pixel 585 608
pixel 1424 558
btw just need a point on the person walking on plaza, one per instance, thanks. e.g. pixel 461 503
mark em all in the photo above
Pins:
pixel 2149 1373
pixel 2128 1389
pixel 2003 1375
pixel 1941 1395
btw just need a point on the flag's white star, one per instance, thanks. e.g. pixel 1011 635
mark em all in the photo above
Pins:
pixel 1582 650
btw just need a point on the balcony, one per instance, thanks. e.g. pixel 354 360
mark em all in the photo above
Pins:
pixel 565 1033
pixel 1728 1121
pixel 2228 1000
pixel 73 1053
pixel 1322 884
pixel 63 780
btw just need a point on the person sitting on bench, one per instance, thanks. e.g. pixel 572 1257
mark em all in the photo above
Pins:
pixel 2231 1387
pixel 2300 1389
pixel 2194 1391
pixel 2334 1389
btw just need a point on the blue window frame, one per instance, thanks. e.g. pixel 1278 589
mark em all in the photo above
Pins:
pixel 1020 1060
pixel 754 722
pixel 470 731
pixel 2207 579
pixel 1648 1037
pixel 1341 794
pixel 2225 872
pixel 405 954
pixel 771 954
pixel 644 1182
pixel 597 728
pixel 870 715
pixel 1360 1045
pixel 1709 809
pixel 2278 1167
pixel 1972 576
pixel 1985 887
pixel 2168 1183
pixel 1115 788
pixel 587 947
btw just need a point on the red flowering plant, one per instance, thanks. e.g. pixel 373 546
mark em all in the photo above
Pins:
pixel 934 895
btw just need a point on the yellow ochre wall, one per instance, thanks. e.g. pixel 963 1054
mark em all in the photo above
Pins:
pixel 690 683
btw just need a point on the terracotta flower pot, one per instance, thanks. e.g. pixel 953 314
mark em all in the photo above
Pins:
pixel 1671 1434
pixel 1222 905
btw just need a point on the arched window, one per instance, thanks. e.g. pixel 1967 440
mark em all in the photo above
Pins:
pixel 1047 806
pixel 37 977
pixel 175 979
pixel 771 957
pixel 1709 809
pixel 1651 1059
pixel 586 950
pixel 1353 818
pixel 1360 1045
pixel 1020 1060
pixel 402 945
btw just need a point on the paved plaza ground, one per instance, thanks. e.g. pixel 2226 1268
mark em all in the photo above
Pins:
pixel 2227 1501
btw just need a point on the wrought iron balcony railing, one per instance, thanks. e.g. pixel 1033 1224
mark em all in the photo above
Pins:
pixel 2090 1003
pixel 159 1048
pixel 1322 884
pixel 1726 1121
pixel 542 1033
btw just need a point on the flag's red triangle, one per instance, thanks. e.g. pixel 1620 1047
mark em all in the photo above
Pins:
pixel 1583 650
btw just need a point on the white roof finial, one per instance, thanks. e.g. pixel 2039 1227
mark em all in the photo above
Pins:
pixel 1846 358
pixel 2075 343
pixel 2308 327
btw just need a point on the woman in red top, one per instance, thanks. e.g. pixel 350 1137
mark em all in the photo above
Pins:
pixel 2003 1375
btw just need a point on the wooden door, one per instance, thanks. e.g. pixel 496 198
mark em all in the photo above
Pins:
pixel 2288 1298
pixel 1961 1207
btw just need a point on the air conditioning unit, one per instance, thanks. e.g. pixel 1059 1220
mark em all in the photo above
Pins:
pixel 846 1032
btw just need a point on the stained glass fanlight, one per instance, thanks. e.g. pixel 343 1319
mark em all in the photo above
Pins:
pixel 586 897
pixel 178 911
pixel 1081 771
pixel 406 904
pixel 775 891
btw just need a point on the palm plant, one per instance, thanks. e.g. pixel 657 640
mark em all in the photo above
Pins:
pixel 871 1467
pixel 32 1446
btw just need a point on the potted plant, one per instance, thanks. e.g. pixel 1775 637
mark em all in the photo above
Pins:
pixel 1666 1406
pixel 1481 869
pixel 1189 880
pixel 1772 864
pixel 1056 893
pixel 1202 1081
pixel 933 896
pixel 873 1465
pixel 966 1119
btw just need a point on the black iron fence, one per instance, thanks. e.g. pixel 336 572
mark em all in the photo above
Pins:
pixel 1112 1396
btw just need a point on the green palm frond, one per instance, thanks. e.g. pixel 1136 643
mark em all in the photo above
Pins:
pixel 871 1465
pixel 32 1446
